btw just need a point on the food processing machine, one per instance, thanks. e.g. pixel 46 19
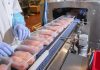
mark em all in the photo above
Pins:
pixel 53 58
pixel 93 23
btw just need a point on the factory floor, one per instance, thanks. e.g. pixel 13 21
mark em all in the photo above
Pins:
pixel 33 22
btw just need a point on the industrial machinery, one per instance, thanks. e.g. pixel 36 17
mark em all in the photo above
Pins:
pixel 92 17
pixel 74 17
pixel 54 57
pixel 60 46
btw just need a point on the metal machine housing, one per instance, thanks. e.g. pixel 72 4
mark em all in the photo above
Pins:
pixel 93 26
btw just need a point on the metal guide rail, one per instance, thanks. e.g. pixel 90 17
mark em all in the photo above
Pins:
pixel 47 54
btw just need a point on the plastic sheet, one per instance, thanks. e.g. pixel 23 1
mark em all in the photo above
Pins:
pixel 34 43
pixel 57 29
pixel 39 38
pixel 19 63
pixel 46 39
pixel 22 59
pixel 61 21
pixel 48 32
pixel 25 56
pixel 31 49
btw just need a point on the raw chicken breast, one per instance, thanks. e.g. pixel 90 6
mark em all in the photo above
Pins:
pixel 46 39
pixel 64 23
pixel 48 32
pixel 34 43
pixel 68 20
pixel 19 63
pixel 37 49
pixel 25 56
pixel 57 29
pixel 28 48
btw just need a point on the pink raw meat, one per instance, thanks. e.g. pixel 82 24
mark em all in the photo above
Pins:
pixel 57 29
pixel 34 43
pixel 39 38
pixel 28 48
pixel 69 20
pixel 37 49
pixel 19 63
pixel 64 23
pixel 48 32
pixel 25 56
pixel 3 67
pixel 47 38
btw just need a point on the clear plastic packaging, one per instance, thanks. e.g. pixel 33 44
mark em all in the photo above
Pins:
pixel 67 19
pixel 31 49
pixel 57 29
pixel 61 21
pixel 46 39
pixel 34 43
pixel 25 56
pixel 45 42
pixel 5 63
pixel 64 21
pixel 19 63
pixel 22 60
pixel 48 32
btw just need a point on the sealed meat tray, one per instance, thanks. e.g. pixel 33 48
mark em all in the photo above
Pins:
pixel 45 39
pixel 21 59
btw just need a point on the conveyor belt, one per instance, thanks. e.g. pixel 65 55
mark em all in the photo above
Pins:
pixel 55 47
pixel 58 60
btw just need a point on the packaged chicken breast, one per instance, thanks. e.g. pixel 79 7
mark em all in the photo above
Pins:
pixel 21 60
pixel 19 63
pixel 46 39
pixel 26 56
pixel 27 48
pixel 34 43
pixel 48 32
pixel 57 29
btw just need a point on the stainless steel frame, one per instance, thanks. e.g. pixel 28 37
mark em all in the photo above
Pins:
pixel 93 16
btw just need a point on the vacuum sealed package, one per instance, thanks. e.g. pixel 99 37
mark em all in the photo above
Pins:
pixel 22 59
pixel 38 38
pixel 26 56
pixel 31 49
pixel 34 43
pixel 46 39
pixel 67 19
pixel 57 29
pixel 54 23
pixel 5 63
pixel 48 32
pixel 61 21
pixel 19 63
pixel 64 23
